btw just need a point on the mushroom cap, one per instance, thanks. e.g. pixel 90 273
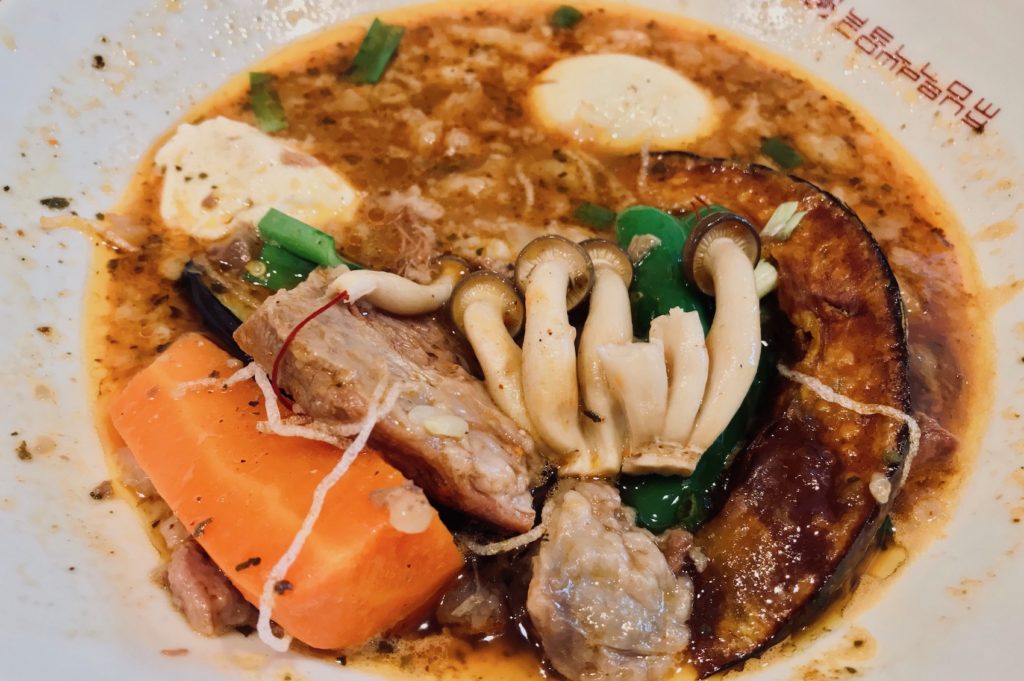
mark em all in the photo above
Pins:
pixel 452 266
pixel 708 229
pixel 605 253
pixel 484 286
pixel 552 247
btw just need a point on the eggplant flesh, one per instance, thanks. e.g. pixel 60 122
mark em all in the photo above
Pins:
pixel 798 517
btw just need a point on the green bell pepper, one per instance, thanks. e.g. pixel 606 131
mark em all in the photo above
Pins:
pixel 658 281
pixel 662 502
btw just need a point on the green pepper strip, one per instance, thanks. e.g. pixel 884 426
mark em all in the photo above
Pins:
pixel 301 240
pixel 266 105
pixel 658 281
pixel 283 269
pixel 375 52
pixel 662 502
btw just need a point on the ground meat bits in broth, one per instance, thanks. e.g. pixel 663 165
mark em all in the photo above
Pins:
pixel 449 160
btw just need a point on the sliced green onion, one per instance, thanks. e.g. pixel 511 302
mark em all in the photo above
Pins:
pixel 783 221
pixel 277 269
pixel 566 16
pixel 766 278
pixel 266 105
pixel 783 153
pixel 375 52
pixel 593 215
pixel 301 240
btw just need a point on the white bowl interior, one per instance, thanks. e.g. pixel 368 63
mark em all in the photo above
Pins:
pixel 77 599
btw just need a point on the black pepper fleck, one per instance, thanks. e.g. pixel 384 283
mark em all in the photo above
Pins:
pixel 248 563
pixel 23 452
pixel 200 528
pixel 55 202
pixel 98 62
pixel 283 586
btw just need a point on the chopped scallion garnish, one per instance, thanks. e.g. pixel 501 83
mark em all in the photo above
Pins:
pixel 766 278
pixel 375 52
pixel 783 222
pixel 266 105
pixel 595 216
pixel 780 151
pixel 300 239
pixel 566 16
pixel 277 269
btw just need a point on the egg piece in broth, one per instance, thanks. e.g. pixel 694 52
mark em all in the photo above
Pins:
pixel 221 173
pixel 620 103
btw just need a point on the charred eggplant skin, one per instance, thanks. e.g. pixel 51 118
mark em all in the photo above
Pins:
pixel 798 518
pixel 219 321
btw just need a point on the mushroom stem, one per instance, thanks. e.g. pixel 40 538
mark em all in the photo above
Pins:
pixel 686 356
pixel 662 458
pixel 549 359
pixel 500 359
pixel 608 323
pixel 398 295
pixel 734 342
pixel 637 376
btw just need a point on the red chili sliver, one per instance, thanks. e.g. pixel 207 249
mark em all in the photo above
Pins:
pixel 340 298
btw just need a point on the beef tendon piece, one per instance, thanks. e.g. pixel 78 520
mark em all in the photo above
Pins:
pixel 603 599
pixel 333 365
pixel 799 516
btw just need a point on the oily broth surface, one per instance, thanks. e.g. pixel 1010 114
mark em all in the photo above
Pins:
pixel 449 160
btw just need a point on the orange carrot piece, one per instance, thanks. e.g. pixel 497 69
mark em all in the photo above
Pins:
pixel 244 494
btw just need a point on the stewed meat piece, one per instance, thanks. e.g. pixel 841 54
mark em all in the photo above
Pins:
pixel 603 598
pixel 210 602
pixel 333 366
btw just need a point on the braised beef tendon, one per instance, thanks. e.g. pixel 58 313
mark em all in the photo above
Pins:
pixel 333 365
pixel 799 516
pixel 603 599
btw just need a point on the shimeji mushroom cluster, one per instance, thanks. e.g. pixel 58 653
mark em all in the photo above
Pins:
pixel 612 403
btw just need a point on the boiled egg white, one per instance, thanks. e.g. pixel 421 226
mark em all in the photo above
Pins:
pixel 222 173
pixel 621 103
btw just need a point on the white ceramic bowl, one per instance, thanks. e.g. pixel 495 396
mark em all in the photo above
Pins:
pixel 75 600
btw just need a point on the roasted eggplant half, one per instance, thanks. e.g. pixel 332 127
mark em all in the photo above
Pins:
pixel 799 516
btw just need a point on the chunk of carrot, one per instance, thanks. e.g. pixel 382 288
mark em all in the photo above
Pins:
pixel 245 493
